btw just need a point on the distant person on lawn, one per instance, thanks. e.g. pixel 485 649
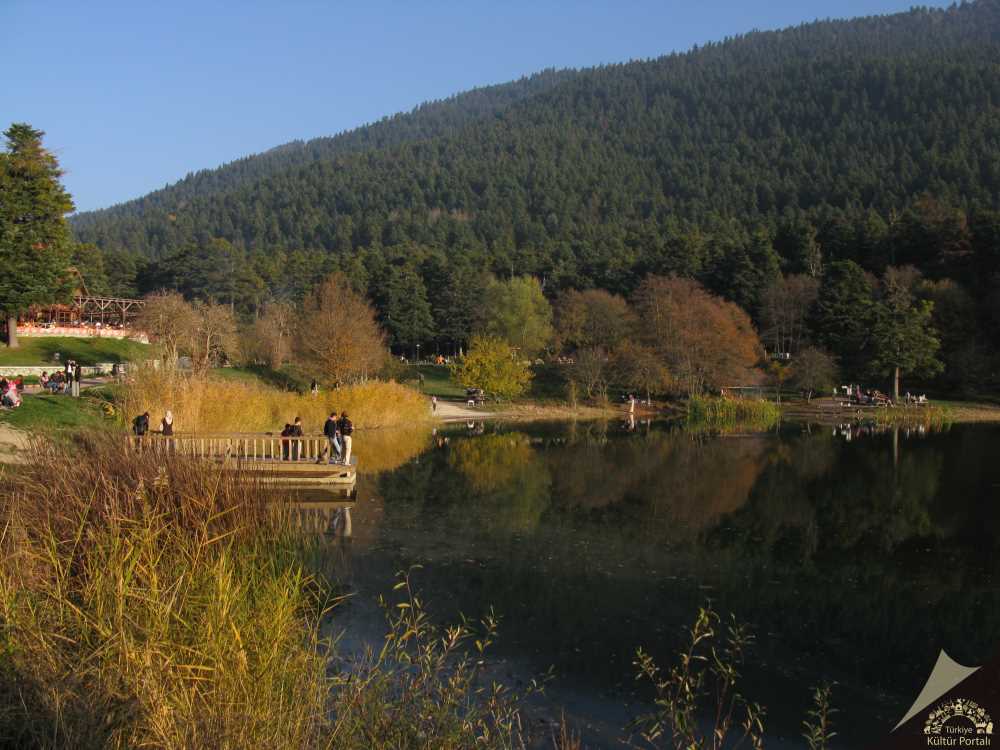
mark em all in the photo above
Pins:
pixel 77 373
pixel 331 429
pixel 11 398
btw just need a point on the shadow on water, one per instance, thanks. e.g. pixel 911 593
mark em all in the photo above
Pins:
pixel 855 553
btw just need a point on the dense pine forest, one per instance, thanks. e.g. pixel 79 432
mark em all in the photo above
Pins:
pixel 832 151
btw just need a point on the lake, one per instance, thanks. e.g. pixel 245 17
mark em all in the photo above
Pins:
pixel 854 555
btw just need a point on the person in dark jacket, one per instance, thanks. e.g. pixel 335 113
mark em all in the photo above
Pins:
pixel 331 429
pixel 140 425
pixel 346 431
pixel 296 432
pixel 285 433
pixel 77 377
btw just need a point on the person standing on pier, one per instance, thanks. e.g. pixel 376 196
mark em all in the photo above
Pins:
pixel 332 431
pixel 296 432
pixel 346 431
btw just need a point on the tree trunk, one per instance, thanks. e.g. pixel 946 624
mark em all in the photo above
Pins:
pixel 12 331
pixel 895 386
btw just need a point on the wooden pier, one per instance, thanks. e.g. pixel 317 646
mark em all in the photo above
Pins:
pixel 286 460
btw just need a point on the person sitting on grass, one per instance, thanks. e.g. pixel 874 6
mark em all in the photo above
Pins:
pixel 11 398
pixel 44 380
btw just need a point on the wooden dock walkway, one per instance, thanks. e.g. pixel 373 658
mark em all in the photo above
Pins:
pixel 292 460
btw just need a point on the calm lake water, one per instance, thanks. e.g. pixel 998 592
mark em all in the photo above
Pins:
pixel 855 557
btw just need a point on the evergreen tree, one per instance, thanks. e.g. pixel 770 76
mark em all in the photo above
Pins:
pixel 904 337
pixel 845 314
pixel 407 312
pixel 34 238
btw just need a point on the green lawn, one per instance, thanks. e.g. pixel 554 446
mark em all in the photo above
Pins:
pixel 437 381
pixel 547 382
pixel 40 413
pixel 41 350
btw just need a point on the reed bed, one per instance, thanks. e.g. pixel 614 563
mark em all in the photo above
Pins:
pixel 725 414
pixel 928 416
pixel 207 404
pixel 148 604
pixel 153 601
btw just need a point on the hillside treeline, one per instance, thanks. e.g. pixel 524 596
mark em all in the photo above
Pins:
pixel 875 141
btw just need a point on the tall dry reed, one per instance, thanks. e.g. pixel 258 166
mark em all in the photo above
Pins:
pixel 155 601
pixel 729 414
pixel 206 404
pixel 148 604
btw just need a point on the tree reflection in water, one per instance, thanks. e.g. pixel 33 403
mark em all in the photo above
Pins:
pixel 854 560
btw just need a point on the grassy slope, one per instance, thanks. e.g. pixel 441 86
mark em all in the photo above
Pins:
pixel 39 413
pixel 40 351
pixel 437 381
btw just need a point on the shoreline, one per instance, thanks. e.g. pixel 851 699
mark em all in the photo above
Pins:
pixel 454 411
pixel 954 412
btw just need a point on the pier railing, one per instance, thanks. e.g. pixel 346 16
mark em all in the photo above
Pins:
pixel 259 447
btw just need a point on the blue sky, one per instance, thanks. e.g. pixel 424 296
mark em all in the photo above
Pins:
pixel 134 94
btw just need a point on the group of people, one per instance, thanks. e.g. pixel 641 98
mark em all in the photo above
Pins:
pixel 10 391
pixel 66 379
pixel 339 432
pixel 140 425
pixel 873 397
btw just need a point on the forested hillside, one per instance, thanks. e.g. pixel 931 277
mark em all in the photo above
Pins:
pixel 426 121
pixel 874 140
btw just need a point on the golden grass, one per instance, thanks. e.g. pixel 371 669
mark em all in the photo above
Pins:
pixel 206 404
pixel 154 601
pixel 152 605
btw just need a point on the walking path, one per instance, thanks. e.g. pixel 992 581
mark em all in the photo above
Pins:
pixel 453 411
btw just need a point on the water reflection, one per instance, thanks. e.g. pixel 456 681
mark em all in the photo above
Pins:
pixel 319 509
pixel 854 559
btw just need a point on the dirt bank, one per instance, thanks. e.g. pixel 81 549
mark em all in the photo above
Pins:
pixel 11 443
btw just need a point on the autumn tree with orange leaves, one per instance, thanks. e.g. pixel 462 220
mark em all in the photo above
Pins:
pixel 338 339
pixel 704 342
